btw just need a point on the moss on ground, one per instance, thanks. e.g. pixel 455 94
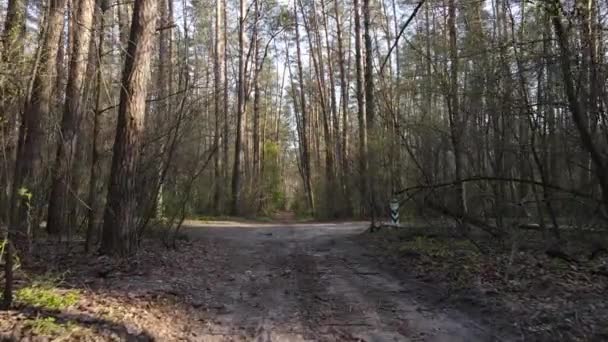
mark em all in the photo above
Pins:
pixel 49 326
pixel 47 296
pixel 440 248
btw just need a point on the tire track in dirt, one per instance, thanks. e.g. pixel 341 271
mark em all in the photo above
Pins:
pixel 348 299
pixel 304 282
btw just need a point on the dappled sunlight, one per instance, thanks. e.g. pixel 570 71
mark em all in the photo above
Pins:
pixel 283 287
pixel 255 224
pixel 303 170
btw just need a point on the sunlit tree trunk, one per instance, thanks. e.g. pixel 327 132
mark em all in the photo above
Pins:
pixel 119 217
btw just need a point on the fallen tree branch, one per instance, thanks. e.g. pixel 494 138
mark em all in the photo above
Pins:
pixel 405 25
pixel 495 232
pixel 497 179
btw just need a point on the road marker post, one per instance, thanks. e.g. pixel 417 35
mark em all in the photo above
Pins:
pixel 394 211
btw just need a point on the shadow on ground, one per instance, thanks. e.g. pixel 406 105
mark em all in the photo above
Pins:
pixel 241 281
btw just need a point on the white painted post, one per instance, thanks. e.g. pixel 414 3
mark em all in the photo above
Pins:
pixel 394 206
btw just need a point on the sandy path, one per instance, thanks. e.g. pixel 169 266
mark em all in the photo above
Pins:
pixel 313 282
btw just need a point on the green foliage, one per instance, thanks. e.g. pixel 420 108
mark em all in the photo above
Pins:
pixel 49 326
pixel 437 248
pixel 273 196
pixel 16 260
pixel 284 17
pixel 3 245
pixel 46 296
pixel 209 218
pixel 25 193
pixel 299 206
pixel 173 205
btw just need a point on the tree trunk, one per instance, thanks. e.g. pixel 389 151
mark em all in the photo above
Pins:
pixel 119 217
pixel 72 114
pixel 578 116
pixel 219 101
pixel 369 110
pixel 12 44
pixel 344 104
pixel 92 227
pixel 225 102
pixel 457 124
pixel 304 114
pixel 27 191
pixel 164 94
pixel 316 57
pixel 240 117
pixel 361 114
pixel 256 97
pixel 13 34
pixel 123 25
pixel 336 150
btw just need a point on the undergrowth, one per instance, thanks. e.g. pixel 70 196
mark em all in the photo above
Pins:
pixel 47 296
pixel 49 326
pixel 459 259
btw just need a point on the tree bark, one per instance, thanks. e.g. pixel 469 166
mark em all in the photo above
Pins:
pixel 27 191
pixel 316 56
pixel 225 154
pixel 12 36
pixel 240 116
pixel 457 124
pixel 256 96
pixel 369 110
pixel 219 100
pixel 12 44
pixel 304 114
pixel 59 201
pixel 361 110
pixel 344 91
pixel 92 227
pixel 119 217
pixel 164 95
pixel 578 116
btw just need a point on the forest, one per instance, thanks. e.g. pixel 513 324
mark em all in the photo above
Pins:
pixel 132 131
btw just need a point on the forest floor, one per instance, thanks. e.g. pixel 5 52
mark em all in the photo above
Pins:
pixel 252 281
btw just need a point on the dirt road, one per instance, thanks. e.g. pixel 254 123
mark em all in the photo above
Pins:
pixel 314 282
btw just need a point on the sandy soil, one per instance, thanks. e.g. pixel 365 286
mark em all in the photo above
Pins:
pixel 314 282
